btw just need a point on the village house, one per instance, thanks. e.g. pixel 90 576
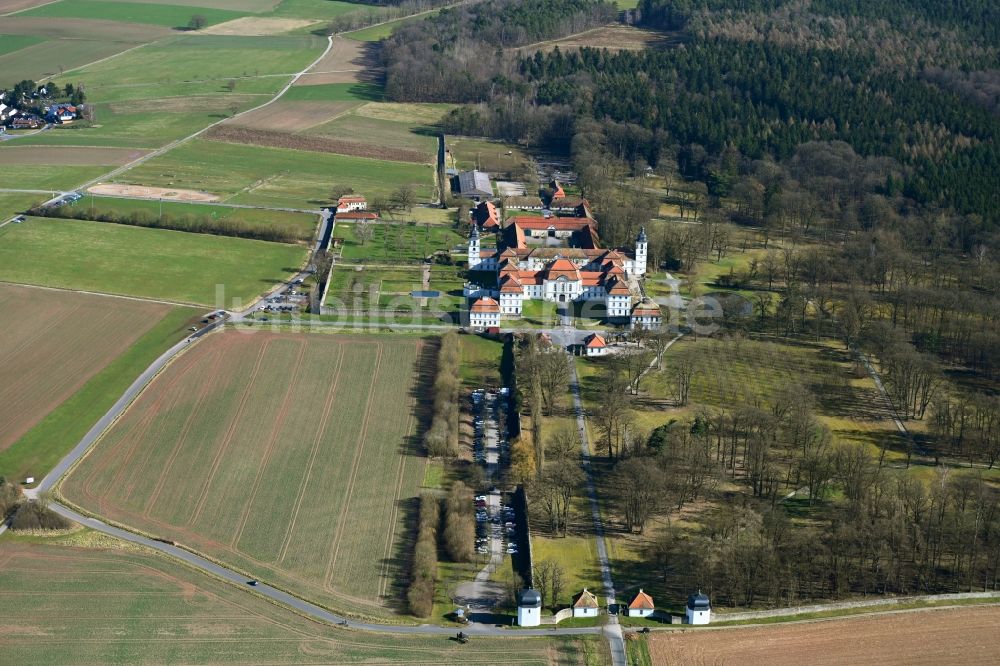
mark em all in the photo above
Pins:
pixel 595 345
pixel 646 314
pixel 484 314
pixel 585 604
pixel 26 122
pixel 350 203
pixel 472 185
pixel 641 605
pixel 486 217
pixel 61 113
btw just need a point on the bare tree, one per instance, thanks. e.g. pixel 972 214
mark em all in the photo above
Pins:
pixel 363 230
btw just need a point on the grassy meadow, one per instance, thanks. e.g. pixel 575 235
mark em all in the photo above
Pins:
pixel 148 263
pixel 310 487
pixel 167 15
pixel 255 175
pixel 399 242
pixel 156 610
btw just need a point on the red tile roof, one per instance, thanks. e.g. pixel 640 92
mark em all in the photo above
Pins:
pixel 642 601
pixel 563 268
pixel 595 341
pixel 486 304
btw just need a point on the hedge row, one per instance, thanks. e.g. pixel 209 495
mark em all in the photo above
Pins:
pixel 441 439
pixel 459 523
pixel 423 571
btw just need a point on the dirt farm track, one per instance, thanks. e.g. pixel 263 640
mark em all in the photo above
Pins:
pixel 941 636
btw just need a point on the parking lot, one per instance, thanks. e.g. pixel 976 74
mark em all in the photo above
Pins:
pixel 496 525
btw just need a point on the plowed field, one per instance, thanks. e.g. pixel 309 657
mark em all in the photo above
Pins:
pixel 293 457
pixel 52 342
pixel 953 635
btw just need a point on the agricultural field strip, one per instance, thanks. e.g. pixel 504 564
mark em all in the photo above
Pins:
pixel 42 579
pixel 29 384
pixel 177 142
pixel 140 430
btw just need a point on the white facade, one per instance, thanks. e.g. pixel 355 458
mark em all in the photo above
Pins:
pixel 474 257
pixel 698 616
pixel 347 205
pixel 484 319
pixel 618 306
pixel 529 608
pixel 640 612
pixel 584 612
pixel 596 351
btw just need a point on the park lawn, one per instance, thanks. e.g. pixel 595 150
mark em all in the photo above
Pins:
pixel 53 177
pixel 170 16
pixel 156 610
pixel 12 43
pixel 303 224
pixel 148 263
pixel 355 289
pixel 577 555
pixel 335 92
pixel 187 65
pixel 276 177
pixel 293 428
pixel 396 242
pixel 148 123
pixel 45 444
pixel 480 361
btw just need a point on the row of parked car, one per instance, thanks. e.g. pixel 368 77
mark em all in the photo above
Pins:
pixel 492 522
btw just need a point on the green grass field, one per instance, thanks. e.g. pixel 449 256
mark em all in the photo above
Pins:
pixel 153 610
pixel 335 92
pixel 148 123
pixel 480 361
pixel 275 176
pixel 12 43
pixel 283 465
pixel 18 203
pixel 49 176
pixel 466 152
pixel 171 16
pixel 186 65
pixel 36 62
pixel 315 9
pixel 149 263
pixel 396 242
pixel 303 224
pixel 39 449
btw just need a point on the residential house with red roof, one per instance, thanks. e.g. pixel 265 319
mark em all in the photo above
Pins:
pixel 641 605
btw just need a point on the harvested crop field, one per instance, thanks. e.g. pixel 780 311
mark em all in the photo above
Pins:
pixel 291 116
pixel 348 61
pixel 143 192
pixel 276 453
pixel 154 610
pixel 68 156
pixel 256 26
pixel 966 635
pixel 315 144
pixel 52 342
